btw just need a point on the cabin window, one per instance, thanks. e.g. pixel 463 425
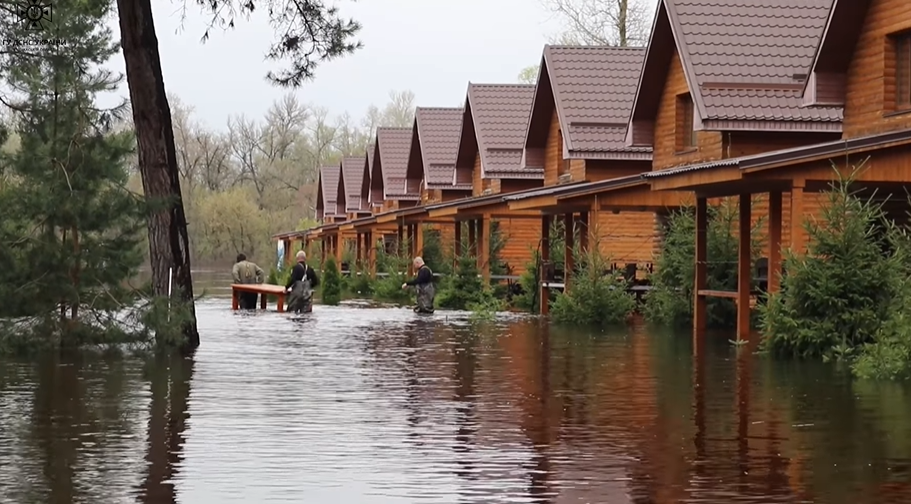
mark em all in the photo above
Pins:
pixel 686 137
pixel 902 71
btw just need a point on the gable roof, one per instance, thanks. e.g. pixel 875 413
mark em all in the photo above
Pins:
pixel 365 178
pixel 327 191
pixel 745 63
pixel 390 159
pixel 434 147
pixel 591 88
pixel 493 126
pixel 350 182
pixel 834 53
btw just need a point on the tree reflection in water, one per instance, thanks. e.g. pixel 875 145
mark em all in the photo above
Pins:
pixel 170 378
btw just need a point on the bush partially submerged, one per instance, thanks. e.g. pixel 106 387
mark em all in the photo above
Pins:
pixel 464 289
pixel 331 283
pixel 670 301
pixel 847 297
pixel 596 296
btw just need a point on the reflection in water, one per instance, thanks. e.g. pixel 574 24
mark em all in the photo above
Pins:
pixel 381 405
pixel 168 413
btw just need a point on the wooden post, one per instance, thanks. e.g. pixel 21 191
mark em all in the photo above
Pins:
pixel 410 249
pixel 797 190
pixel 419 239
pixel 288 254
pixel 583 232
pixel 472 237
pixel 484 247
pixel 371 252
pixel 358 251
pixel 744 268
pixel 457 245
pixel 568 245
pixel 545 257
pixel 774 281
pixel 339 246
pixel 400 230
pixel 322 255
pixel 699 306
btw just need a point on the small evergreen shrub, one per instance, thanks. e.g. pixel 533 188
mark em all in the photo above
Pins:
pixel 360 283
pixel 331 283
pixel 464 289
pixel 847 291
pixel 595 296
pixel 670 301
pixel 389 287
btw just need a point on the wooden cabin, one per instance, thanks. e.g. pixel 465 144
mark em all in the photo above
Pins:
pixel 576 135
pixel 430 173
pixel 328 214
pixel 858 71
pixel 489 158
pixel 351 169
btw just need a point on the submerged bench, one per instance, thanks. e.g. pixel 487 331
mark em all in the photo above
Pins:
pixel 264 290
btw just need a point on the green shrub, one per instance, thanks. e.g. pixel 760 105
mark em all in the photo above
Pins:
pixel 847 291
pixel 464 289
pixel 389 287
pixel 595 297
pixel 670 301
pixel 360 283
pixel 278 277
pixel 331 283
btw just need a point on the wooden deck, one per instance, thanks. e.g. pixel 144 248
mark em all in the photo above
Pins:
pixel 264 290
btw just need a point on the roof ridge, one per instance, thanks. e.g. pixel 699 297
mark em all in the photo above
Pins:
pixel 570 46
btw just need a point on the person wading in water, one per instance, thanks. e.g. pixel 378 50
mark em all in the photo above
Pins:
pixel 300 286
pixel 246 272
pixel 423 285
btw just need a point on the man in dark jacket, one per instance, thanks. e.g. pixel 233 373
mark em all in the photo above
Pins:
pixel 423 285
pixel 300 286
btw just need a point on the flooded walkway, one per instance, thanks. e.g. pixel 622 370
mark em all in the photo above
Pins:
pixel 378 405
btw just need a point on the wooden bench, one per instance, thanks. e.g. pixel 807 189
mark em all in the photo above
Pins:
pixel 264 290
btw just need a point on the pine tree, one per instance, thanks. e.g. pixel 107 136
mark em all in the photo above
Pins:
pixel 75 239
pixel 332 284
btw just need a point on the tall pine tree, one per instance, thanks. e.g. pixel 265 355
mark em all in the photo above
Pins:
pixel 74 236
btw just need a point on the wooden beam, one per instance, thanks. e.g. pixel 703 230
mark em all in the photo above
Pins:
pixel 688 181
pixel 797 194
pixel 371 252
pixel 568 245
pixel 484 247
pixel 643 198
pixel 443 212
pixel 717 293
pixel 774 274
pixel 744 268
pixel 472 239
pixel 699 305
pixel 583 232
pixel 419 239
pixel 532 203
pixel 543 291
pixel 457 245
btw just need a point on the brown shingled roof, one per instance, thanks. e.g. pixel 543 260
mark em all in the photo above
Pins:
pixel 493 125
pixel 350 182
pixel 434 148
pixel 327 191
pixel 390 161
pixel 592 89
pixel 745 62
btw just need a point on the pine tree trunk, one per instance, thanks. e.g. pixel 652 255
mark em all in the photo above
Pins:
pixel 168 240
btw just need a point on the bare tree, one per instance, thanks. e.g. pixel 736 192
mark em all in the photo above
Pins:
pixel 246 145
pixel 619 23
pixel 529 75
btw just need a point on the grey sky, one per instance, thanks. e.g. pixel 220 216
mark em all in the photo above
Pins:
pixel 432 47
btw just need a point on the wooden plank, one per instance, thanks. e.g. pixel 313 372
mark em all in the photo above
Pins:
pixel 699 307
pixel 690 180
pixel 534 203
pixel 774 241
pixel 704 293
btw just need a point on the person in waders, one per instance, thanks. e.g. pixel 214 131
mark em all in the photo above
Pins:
pixel 247 272
pixel 300 286
pixel 423 285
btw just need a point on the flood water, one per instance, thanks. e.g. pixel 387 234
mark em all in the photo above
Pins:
pixel 364 405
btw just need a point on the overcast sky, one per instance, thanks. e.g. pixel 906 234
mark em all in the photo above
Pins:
pixel 431 47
